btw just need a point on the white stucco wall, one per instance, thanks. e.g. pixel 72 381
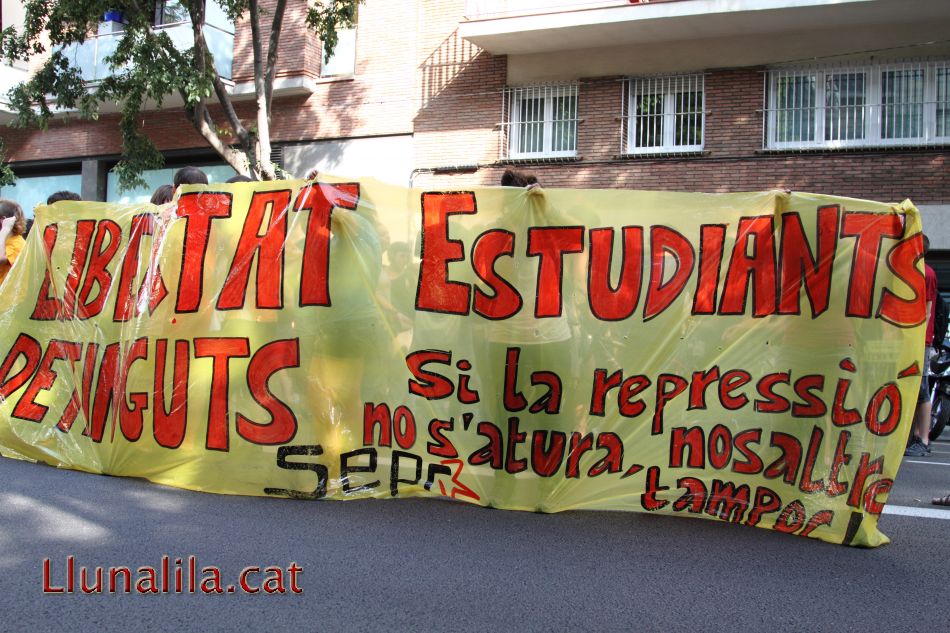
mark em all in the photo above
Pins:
pixel 386 158
pixel 936 221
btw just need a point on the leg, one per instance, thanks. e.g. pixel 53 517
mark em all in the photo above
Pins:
pixel 922 422
pixel 922 414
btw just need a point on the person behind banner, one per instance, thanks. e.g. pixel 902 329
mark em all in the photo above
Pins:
pixel 63 195
pixel 12 228
pixel 190 176
pixel 397 291
pixel 163 195
pixel 919 445
pixel 349 338
pixel 523 344
pixel 541 336
pixel 53 198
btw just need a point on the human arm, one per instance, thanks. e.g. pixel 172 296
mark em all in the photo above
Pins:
pixel 6 226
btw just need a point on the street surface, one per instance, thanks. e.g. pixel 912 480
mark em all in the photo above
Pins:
pixel 426 565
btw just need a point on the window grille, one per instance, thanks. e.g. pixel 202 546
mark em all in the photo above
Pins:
pixel 540 122
pixel 874 105
pixel 663 114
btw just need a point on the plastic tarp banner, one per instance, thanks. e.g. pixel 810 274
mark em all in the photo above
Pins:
pixel 752 358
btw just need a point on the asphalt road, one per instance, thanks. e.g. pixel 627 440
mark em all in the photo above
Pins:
pixel 425 565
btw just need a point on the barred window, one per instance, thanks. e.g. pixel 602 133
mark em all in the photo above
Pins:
pixel 858 106
pixel 663 114
pixel 943 101
pixel 540 122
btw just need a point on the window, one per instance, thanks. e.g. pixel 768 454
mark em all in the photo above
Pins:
pixel 342 62
pixel 663 114
pixel 903 104
pixel 541 122
pixel 943 102
pixel 170 12
pixel 343 59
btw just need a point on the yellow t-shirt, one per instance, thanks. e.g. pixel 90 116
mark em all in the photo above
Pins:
pixel 15 244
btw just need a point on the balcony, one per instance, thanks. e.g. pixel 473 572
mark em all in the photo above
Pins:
pixel 725 27
pixel 494 9
pixel 91 56
pixel 9 77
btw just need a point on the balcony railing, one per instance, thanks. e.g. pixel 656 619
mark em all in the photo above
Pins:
pixel 91 56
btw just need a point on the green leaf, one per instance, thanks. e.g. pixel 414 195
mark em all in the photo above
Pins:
pixel 7 177
pixel 326 17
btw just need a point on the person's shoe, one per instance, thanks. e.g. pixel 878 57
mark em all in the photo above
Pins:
pixel 926 447
pixel 917 449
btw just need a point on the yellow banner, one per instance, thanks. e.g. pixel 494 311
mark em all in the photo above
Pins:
pixel 752 358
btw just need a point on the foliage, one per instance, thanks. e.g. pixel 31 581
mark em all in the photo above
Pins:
pixel 146 69
pixel 7 176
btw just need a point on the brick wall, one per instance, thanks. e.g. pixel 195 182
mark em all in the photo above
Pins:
pixel 922 176
pixel 460 93
pixel 304 49
pixel 732 161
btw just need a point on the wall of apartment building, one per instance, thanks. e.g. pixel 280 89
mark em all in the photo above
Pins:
pixel 378 101
pixel 460 89
pixel 415 78
pixel 732 159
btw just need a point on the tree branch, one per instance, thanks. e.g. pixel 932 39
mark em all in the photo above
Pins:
pixel 197 14
pixel 201 119
pixel 177 56
pixel 272 52
pixel 254 14
pixel 262 144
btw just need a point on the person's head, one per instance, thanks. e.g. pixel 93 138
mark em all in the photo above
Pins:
pixel 239 178
pixel 190 176
pixel 515 178
pixel 399 255
pixel 163 195
pixel 62 195
pixel 926 244
pixel 10 209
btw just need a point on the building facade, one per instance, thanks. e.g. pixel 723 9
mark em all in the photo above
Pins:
pixel 845 97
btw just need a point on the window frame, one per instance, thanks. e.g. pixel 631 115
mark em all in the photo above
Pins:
pixel 350 70
pixel 351 66
pixel 514 96
pixel 159 12
pixel 669 87
pixel 875 110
